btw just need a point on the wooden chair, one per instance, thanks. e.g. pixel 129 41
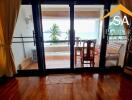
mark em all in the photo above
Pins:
pixel 88 53
pixel 115 54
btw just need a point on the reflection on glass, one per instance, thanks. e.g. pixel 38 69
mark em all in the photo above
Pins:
pixel 116 43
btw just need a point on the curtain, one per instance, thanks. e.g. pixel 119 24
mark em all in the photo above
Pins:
pixel 8 15
pixel 128 5
pixel 128 57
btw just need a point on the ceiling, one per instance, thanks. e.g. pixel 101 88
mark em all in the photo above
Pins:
pixel 81 11
pixel 67 8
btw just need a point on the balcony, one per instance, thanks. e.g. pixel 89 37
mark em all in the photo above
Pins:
pixel 57 54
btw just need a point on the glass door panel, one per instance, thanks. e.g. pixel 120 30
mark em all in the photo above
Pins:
pixel 88 27
pixel 23 44
pixel 56 23
pixel 116 43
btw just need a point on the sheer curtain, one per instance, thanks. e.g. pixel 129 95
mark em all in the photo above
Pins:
pixel 128 5
pixel 8 15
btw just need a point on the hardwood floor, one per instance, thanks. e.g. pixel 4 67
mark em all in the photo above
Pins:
pixel 68 87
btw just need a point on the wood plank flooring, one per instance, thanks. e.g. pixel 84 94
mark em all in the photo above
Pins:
pixel 68 87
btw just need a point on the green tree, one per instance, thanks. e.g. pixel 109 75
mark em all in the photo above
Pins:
pixel 54 30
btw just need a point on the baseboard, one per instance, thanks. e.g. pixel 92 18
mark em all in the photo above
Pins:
pixel 3 79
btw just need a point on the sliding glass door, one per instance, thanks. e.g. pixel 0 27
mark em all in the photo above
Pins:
pixel 56 34
pixel 23 44
pixel 88 32
pixel 116 42
pixel 59 33
pixel 66 28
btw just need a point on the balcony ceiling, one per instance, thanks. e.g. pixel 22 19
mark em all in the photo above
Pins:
pixel 81 11
pixel 66 7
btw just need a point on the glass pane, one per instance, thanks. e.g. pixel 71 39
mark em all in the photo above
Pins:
pixel 88 31
pixel 55 21
pixel 116 44
pixel 23 46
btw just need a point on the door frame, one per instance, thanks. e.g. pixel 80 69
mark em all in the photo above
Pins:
pixel 36 7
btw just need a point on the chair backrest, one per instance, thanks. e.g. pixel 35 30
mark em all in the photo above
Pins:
pixel 114 47
pixel 122 45
pixel 89 48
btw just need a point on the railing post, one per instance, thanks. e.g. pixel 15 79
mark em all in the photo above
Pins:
pixel 23 46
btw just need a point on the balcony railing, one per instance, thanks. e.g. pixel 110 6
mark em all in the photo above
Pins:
pixel 31 39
